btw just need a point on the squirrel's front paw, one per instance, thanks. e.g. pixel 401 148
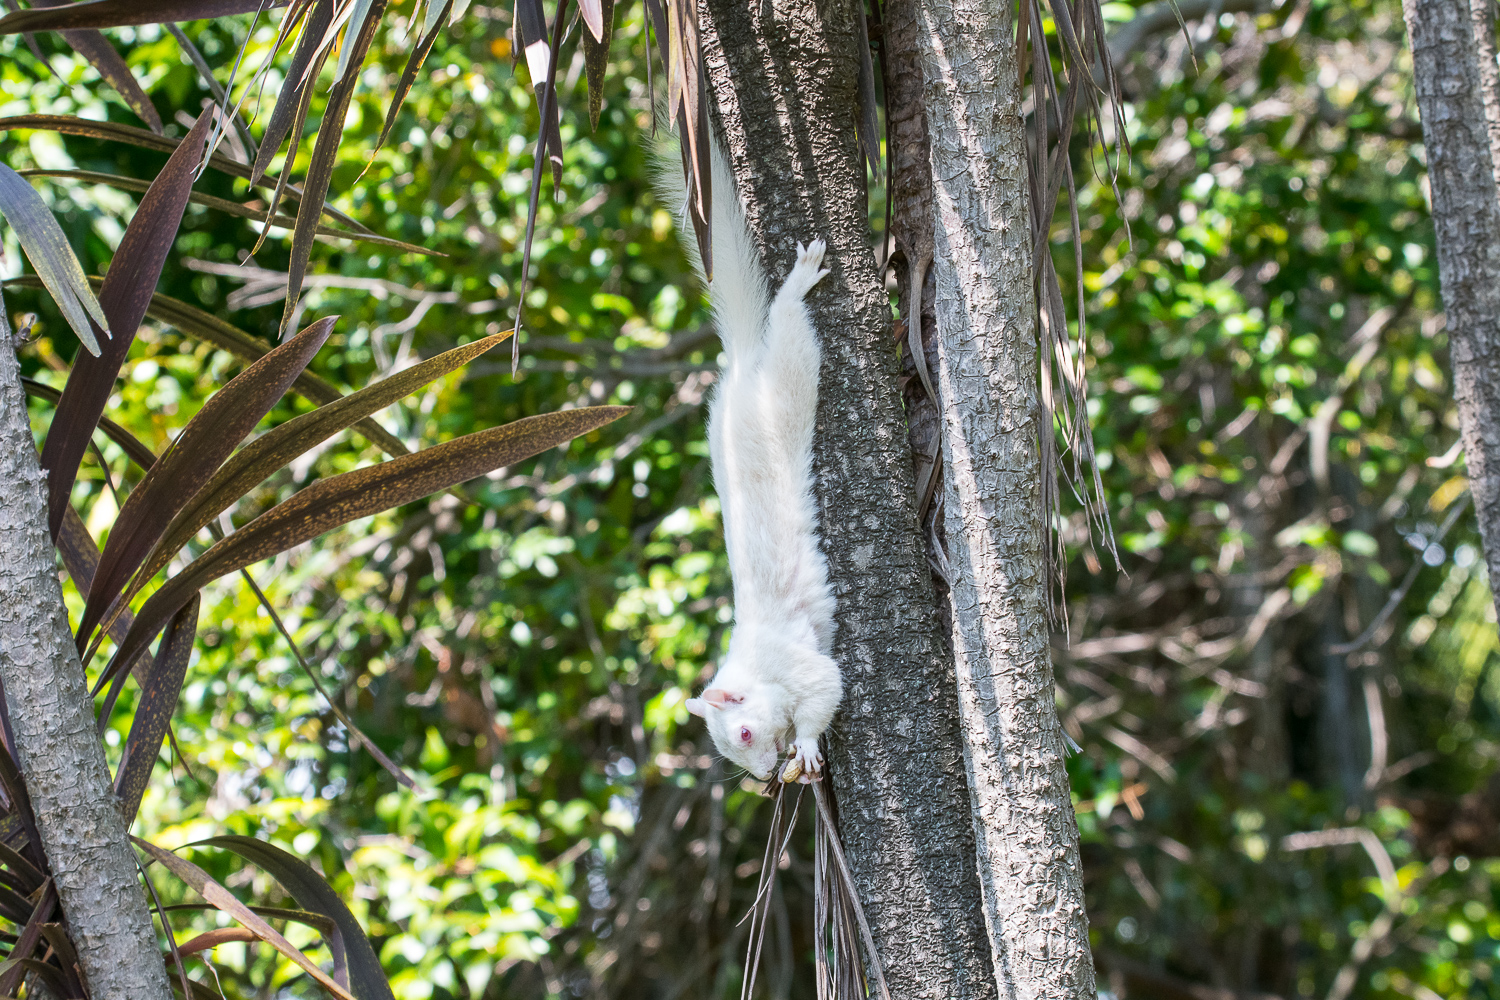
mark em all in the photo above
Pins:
pixel 809 268
pixel 805 752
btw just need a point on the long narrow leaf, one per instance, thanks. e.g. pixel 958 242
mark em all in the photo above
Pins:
pixel 325 152
pixel 329 503
pixel 541 61
pixel 366 978
pixel 130 135
pixel 414 63
pixel 359 14
pixel 356 734
pixel 270 452
pixel 220 897
pixel 30 937
pixel 231 207
pixel 223 422
pixel 593 18
pixel 120 13
pixel 530 11
pixel 133 447
pixel 285 112
pixel 21 818
pixel 66 956
pixel 44 244
pixel 81 558
pixel 124 296
pixel 596 57
pixel 159 694
pixel 94 47
pixel 210 329
pixel 299 121
pixel 28 875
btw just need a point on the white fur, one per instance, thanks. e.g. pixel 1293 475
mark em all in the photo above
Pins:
pixel 777 680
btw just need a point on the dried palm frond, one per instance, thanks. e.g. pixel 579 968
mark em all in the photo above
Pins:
pixel 844 953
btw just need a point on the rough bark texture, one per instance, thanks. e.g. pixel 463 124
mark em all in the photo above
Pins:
pixel 784 80
pixel 1482 16
pixel 911 231
pixel 1466 216
pixel 1026 834
pixel 57 746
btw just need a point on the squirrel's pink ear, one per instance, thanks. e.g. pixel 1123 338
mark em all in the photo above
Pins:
pixel 698 707
pixel 718 697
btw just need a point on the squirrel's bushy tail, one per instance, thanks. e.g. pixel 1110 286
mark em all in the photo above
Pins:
pixel 738 290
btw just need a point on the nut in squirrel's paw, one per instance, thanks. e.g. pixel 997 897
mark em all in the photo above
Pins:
pixel 792 770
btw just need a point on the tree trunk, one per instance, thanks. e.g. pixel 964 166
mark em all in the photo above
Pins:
pixel 784 81
pixel 1466 216
pixel 1025 830
pixel 57 747
pixel 1482 17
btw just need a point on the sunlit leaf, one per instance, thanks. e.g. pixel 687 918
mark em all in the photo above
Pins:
pixel 210 329
pixel 366 978
pixel 325 153
pixel 220 897
pixel 44 244
pixel 596 57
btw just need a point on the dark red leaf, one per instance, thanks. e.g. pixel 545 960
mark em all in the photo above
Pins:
pixel 117 132
pixel 159 694
pixel 118 13
pixel 209 328
pixel 270 452
pixel 96 49
pixel 291 109
pixel 329 503
pixel 216 430
pixel 320 169
pixel 414 63
pixel 31 936
pixel 528 16
pixel 124 296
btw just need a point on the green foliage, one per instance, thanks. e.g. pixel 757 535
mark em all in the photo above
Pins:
pixel 525 650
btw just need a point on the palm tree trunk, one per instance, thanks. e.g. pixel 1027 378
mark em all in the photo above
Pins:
pixel 784 81
pixel 1024 827
pixel 56 745
pixel 1451 95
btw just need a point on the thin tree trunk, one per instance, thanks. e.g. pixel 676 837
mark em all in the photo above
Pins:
pixel 57 747
pixel 784 81
pixel 1025 830
pixel 1482 18
pixel 1466 216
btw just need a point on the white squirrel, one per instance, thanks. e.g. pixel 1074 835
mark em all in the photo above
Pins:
pixel 777 688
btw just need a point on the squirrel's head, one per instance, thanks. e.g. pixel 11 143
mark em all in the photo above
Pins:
pixel 742 726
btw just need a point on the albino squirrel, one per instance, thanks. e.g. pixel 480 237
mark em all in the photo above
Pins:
pixel 777 688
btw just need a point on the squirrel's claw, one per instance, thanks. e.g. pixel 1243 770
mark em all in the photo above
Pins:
pixel 805 752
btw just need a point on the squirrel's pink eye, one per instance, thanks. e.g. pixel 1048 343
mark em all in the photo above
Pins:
pixel 744 734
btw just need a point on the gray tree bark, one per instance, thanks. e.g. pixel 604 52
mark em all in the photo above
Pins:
pixel 784 78
pixel 1024 827
pixel 1466 215
pixel 57 747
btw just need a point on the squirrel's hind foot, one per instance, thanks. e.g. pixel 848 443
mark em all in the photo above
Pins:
pixel 808 270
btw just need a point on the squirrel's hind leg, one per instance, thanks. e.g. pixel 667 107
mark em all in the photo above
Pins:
pixel 792 354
